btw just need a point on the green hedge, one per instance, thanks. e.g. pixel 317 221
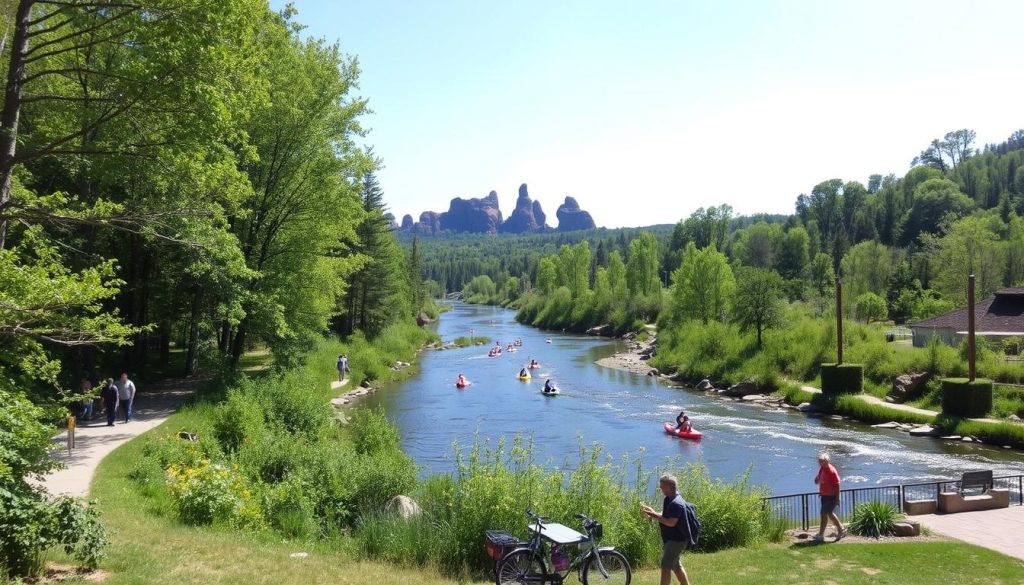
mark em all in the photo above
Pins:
pixel 962 397
pixel 842 378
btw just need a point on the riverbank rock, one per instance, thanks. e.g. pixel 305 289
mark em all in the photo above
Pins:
pixel 705 384
pixel 742 389
pixel 422 319
pixel 603 330
pixel 653 372
pixel 402 506
pixel 924 431
pixel 807 407
pixel 888 425
pixel 908 386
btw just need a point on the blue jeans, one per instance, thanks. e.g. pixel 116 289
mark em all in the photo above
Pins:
pixel 126 406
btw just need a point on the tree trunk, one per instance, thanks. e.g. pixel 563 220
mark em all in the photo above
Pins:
pixel 238 345
pixel 16 73
pixel 192 355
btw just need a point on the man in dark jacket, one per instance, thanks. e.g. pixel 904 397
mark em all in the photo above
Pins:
pixel 109 397
pixel 675 532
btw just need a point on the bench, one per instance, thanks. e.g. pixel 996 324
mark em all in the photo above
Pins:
pixel 975 493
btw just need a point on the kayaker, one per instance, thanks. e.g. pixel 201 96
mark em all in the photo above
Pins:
pixel 534 364
pixel 679 419
pixel 523 373
pixel 685 426
pixel 461 381
pixel 548 387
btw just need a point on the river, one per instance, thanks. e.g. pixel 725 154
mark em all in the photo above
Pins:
pixel 624 412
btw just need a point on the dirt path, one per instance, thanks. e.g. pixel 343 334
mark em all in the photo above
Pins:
pixel 94 439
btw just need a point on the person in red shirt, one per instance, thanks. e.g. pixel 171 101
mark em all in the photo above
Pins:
pixel 828 487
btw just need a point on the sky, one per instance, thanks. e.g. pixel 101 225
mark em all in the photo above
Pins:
pixel 645 111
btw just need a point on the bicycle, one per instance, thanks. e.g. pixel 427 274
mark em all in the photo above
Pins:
pixel 597 564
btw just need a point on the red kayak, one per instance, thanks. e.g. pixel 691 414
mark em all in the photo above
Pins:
pixel 693 435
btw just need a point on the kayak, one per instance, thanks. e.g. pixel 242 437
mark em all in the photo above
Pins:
pixel 693 435
pixel 524 378
pixel 461 386
pixel 533 367
pixel 553 392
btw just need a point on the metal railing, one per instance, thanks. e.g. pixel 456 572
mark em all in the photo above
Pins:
pixel 804 509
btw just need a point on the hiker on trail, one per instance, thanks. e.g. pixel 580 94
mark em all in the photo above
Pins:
pixel 342 365
pixel 828 487
pixel 125 395
pixel 85 389
pixel 109 397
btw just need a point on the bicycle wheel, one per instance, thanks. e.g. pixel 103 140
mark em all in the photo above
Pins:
pixel 615 566
pixel 520 566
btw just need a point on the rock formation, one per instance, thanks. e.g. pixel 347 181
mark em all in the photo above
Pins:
pixel 572 218
pixel 473 215
pixel 523 219
pixel 407 222
pixel 429 224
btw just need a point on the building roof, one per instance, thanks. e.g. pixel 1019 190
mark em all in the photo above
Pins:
pixel 1002 312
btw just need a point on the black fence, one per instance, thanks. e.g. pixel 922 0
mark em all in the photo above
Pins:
pixel 803 510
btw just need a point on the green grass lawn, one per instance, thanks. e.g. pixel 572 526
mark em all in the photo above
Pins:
pixel 149 548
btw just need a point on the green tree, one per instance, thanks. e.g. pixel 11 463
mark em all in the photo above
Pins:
pixel 792 256
pixel 547 275
pixel 972 246
pixel 758 303
pixel 642 266
pixel 866 268
pixel 703 286
pixel 870 307
pixel 573 264
pixel 935 202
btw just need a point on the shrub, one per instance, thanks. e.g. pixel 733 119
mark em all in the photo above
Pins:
pixel 842 378
pixel 290 509
pixel 206 494
pixel 238 420
pixel 372 432
pixel 875 519
pixel 962 397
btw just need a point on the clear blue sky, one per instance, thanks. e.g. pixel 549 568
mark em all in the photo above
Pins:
pixel 645 111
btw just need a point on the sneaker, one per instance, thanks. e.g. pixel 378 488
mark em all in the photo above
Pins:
pixel 818 538
pixel 841 534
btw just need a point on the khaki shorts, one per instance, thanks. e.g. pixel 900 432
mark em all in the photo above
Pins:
pixel 671 551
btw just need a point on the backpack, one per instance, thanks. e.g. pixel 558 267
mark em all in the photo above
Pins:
pixel 689 524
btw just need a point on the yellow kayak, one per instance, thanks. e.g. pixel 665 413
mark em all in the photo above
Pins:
pixel 524 378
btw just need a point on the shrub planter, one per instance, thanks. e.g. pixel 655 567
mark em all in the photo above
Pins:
pixel 842 378
pixel 963 398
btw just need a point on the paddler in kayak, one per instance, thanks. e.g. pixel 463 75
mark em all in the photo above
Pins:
pixel 462 382
pixel 548 386
pixel 523 373
pixel 682 419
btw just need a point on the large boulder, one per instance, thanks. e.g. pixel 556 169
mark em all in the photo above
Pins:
pixel 479 216
pixel 742 389
pixel 908 386
pixel 523 220
pixel 705 384
pixel 402 506
pixel 572 218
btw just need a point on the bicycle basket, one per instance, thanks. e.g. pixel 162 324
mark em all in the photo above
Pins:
pixel 499 543
pixel 595 528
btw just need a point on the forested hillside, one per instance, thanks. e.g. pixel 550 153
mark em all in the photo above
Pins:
pixel 903 246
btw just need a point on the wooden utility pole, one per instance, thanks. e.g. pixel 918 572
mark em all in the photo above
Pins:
pixel 970 326
pixel 839 319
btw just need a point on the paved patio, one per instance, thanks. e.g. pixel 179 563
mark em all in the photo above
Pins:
pixel 1001 530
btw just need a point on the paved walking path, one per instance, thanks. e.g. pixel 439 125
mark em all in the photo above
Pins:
pixel 999 530
pixel 94 439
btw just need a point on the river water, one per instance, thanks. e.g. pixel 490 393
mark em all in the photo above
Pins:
pixel 624 412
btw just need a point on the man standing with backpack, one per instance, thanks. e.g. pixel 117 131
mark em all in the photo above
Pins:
pixel 679 528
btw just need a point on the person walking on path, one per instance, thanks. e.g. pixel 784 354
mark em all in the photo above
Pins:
pixel 828 487
pixel 126 395
pixel 109 397
pixel 342 367
pixel 85 389
pixel 674 530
